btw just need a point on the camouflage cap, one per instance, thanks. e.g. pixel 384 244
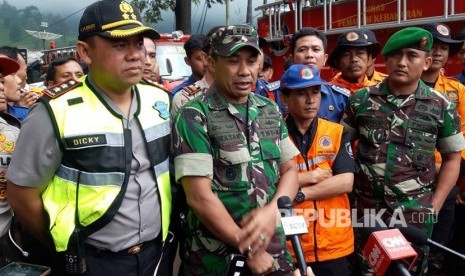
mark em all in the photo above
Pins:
pixel 300 76
pixel 8 66
pixel 411 37
pixel 348 39
pixel 226 41
pixel 441 33
pixel 113 19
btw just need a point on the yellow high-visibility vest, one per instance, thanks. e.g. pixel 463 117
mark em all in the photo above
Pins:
pixel 97 158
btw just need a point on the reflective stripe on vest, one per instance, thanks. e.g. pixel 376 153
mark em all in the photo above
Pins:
pixel 321 152
pixel 93 141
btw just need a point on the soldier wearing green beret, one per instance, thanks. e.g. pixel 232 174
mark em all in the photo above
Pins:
pixel 399 123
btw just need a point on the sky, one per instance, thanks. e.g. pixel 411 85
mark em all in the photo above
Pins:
pixel 65 8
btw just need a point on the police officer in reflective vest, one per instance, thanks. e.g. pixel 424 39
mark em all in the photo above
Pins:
pixel 91 179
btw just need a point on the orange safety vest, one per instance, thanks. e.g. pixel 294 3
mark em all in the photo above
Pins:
pixel 353 87
pixel 456 92
pixel 330 235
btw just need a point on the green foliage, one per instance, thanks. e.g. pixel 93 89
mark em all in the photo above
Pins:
pixel 152 8
pixel 15 21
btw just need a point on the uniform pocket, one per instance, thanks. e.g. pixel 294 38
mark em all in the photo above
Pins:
pixel 421 138
pixel 269 150
pixel 230 171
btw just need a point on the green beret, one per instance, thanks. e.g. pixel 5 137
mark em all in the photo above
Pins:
pixel 411 37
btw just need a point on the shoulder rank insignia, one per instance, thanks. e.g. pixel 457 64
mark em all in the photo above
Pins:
pixel 272 86
pixel 342 90
pixel 155 84
pixel 192 89
pixel 162 108
pixel 61 88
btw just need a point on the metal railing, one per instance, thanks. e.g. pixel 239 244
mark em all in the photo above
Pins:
pixel 274 12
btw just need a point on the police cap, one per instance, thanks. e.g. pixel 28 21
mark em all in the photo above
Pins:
pixel 113 19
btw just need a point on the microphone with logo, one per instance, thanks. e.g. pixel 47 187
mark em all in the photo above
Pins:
pixel 293 227
pixel 387 251
pixel 417 237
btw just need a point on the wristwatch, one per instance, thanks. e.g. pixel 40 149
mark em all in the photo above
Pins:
pixel 300 197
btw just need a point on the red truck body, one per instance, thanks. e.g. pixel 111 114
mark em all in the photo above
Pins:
pixel 280 19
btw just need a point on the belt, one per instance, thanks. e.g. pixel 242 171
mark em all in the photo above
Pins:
pixel 133 250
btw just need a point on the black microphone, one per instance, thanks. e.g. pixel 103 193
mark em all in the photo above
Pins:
pixel 284 203
pixel 376 248
pixel 417 237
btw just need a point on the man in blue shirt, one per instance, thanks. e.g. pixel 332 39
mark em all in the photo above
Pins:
pixel 308 46
pixel 195 58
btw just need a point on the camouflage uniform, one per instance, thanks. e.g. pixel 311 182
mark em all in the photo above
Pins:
pixel 397 138
pixel 244 172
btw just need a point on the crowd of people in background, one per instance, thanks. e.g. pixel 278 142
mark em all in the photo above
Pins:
pixel 107 172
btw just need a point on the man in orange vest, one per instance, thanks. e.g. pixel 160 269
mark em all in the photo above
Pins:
pixel 372 74
pixel 352 55
pixel 326 173
pixel 443 48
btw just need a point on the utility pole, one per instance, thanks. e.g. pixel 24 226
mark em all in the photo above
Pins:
pixel 249 12
pixel 227 12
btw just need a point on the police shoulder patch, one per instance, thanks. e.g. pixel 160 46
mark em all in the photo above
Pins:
pixel 61 88
pixel 154 84
pixel 192 89
pixel 272 86
pixel 342 90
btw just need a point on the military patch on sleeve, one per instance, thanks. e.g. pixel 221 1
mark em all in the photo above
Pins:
pixel 272 86
pixel 61 88
pixel 192 89
pixel 343 91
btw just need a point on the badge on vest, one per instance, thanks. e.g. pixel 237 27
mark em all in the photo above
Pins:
pixel 162 108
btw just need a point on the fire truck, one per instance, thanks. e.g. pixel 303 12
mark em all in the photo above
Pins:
pixel 282 18
pixel 170 58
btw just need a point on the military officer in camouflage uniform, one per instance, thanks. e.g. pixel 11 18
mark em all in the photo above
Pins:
pixel 234 159
pixel 399 123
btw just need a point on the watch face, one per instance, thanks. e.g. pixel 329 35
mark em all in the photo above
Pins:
pixel 300 196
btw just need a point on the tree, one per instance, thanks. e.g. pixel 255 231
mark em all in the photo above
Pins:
pixel 182 11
